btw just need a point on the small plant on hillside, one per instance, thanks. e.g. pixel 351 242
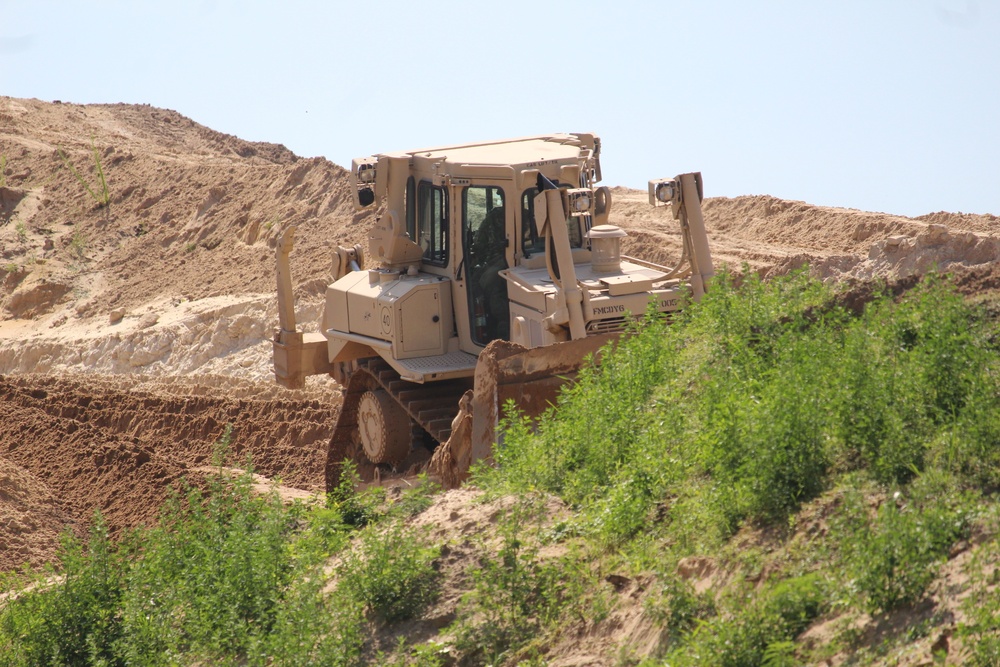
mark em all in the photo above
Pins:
pixel 415 499
pixel 357 509
pixel 391 573
pixel 678 607
pixel 981 630
pixel 892 559
pixel 3 170
pixel 78 245
pixel 515 596
pixel 22 231
pixel 103 195
pixel 70 618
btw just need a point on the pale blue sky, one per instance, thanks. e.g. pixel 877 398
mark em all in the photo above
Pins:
pixel 884 105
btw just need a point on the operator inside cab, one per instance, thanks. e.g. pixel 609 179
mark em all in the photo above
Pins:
pixel 485 220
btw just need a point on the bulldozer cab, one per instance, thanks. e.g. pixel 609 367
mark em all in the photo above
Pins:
pixel 470 215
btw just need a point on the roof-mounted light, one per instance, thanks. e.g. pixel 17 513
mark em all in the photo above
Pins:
pixel 363 176
pixel 581 201
pixel 366 173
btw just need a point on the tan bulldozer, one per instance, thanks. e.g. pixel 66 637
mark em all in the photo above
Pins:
pixel 494 274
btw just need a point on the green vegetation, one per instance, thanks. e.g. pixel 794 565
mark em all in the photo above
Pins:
pixel 22 232
pixel 102 196
pixel 748 406
pixel 753 402
pixel 825 464
pixel 3 170
pixel 391 573
pixel 226 577
pixel 514 596
pixel 78 245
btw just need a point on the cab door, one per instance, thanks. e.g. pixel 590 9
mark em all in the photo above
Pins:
pixel 485 242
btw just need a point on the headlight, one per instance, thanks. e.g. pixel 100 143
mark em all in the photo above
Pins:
pixel 581 200
pixel 366 173
pixel 663 191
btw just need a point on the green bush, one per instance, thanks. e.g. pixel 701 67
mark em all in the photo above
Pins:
pixel 357 509
pixel 754 631
pixel 390 571
pixel 742 407
pixel 678 606
pixel 211 573
pixel 980 631
pixel 227 577
pixel 515 596
pixel 69 619
pixel 892 559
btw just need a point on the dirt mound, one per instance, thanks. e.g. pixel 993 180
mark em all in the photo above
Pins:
pixel 106 444
pixel 181 198
pixel 31 518
pixel 774 236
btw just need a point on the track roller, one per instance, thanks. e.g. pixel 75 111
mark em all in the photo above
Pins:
pixel 384 427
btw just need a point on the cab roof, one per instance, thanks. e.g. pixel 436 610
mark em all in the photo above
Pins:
pixel 524 151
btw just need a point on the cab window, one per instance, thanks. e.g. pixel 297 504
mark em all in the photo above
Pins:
pixel 485 236
pixel 432 223
pixel 532 241
pixel 411 208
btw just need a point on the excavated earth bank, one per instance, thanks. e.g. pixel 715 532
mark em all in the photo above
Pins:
pixel 133 333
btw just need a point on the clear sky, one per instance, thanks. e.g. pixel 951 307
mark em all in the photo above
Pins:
pixel 882 105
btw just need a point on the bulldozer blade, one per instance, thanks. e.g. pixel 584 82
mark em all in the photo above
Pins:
pixel 532 378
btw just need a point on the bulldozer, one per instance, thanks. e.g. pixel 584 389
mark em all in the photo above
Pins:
pixel 491 274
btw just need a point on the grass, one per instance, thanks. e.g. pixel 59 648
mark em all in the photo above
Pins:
pixel 78 245
pixel 100 193
pixel 824 463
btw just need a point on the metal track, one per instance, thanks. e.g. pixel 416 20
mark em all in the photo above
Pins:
pixel 431 406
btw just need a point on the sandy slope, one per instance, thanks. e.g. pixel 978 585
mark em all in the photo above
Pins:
pixel 131 334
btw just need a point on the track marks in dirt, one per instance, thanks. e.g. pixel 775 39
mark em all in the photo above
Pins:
pixel 95 446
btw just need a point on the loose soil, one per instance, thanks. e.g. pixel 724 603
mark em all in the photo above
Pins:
pixel 133 334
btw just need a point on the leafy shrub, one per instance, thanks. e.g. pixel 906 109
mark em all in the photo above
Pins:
pixel 742 407
pixel 70 619
pixel 893 558
pixel 515 595
pixel 757 632
pixel 216 562
pixel 357 509
pixel 678 607
pixel 981 629
pixel 228 577
pixel 391 573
